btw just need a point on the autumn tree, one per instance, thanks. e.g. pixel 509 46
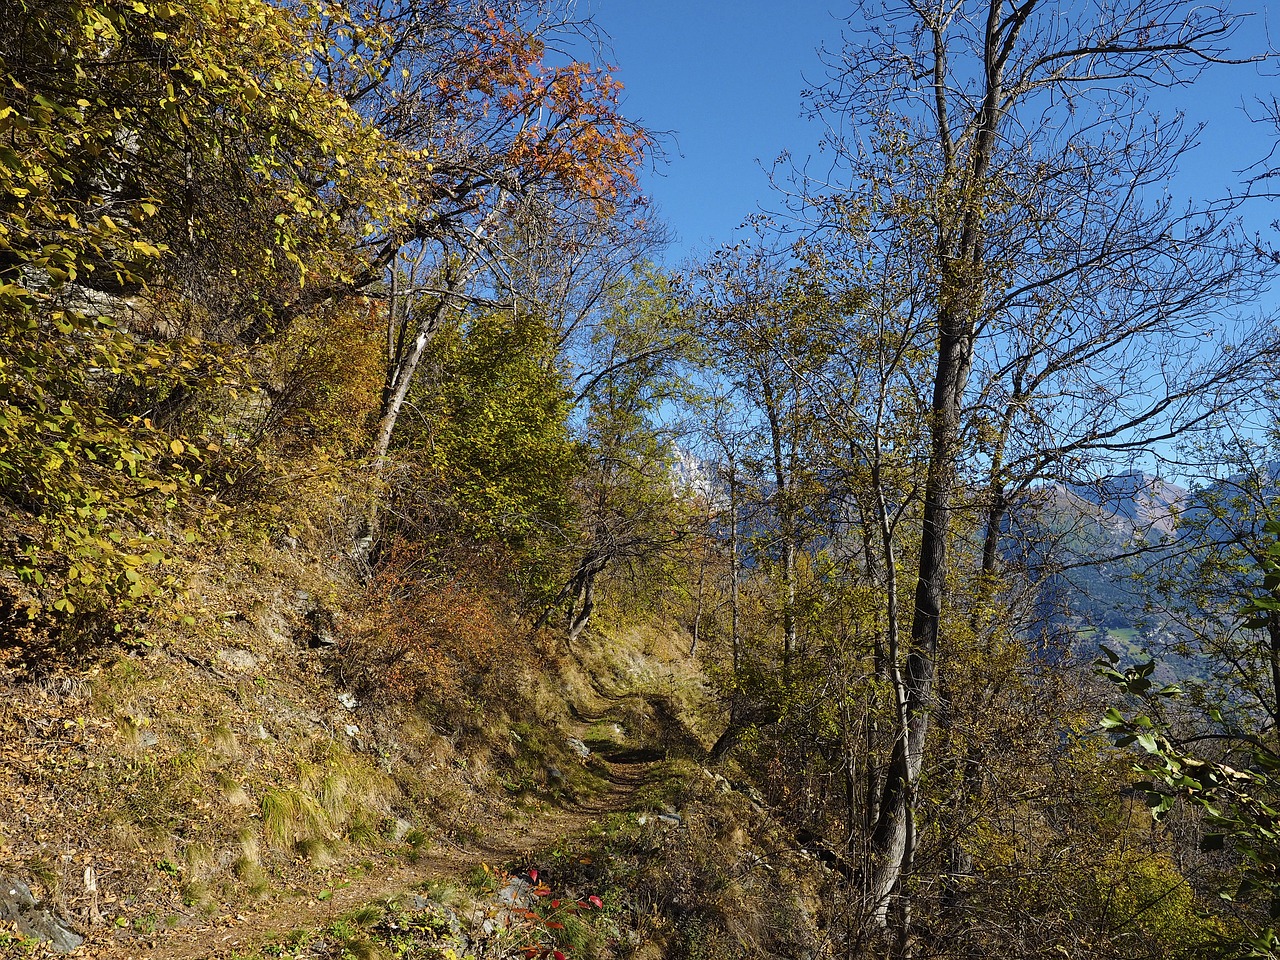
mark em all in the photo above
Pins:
pixel 509 141
pixel 629 382
pixel 1219 755
pixel 138 138
pixel 488 453
pixel 760 317
pixel 1001 134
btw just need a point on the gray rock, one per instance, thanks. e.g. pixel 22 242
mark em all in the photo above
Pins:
pixel 517 893
pixel 580 748
pixel 18 906
pixel 239 660
pixel 146 739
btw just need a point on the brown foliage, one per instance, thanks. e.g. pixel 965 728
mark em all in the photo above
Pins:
pixel 431 640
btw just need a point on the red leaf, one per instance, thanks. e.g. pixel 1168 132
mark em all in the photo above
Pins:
pixel 555 904
pixel 558 955
pixel 554 925
pixel 596 901
pixel 533 876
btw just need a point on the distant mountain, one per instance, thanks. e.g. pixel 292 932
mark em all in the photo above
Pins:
pixel 1149 505
pixel 1091 543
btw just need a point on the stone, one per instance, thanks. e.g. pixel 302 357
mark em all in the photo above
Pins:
pixel 146 738
pixel 518 892
pixel 241 661
pixel 18 906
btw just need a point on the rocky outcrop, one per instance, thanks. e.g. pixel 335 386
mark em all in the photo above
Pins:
pixel 19 907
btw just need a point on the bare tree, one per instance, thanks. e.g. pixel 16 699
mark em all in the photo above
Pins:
pixel 1068 300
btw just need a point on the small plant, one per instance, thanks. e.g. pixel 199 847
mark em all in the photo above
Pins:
pixel 14 944
pixel 558 924
pixel 147 924
pixel 443 892
pixel 290 815
pixel 352 941
pixel 195 893
pixel 482 879
pixel 365 916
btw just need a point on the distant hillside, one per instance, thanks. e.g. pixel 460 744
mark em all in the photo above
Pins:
pixel 1148 504
pixel 1091 547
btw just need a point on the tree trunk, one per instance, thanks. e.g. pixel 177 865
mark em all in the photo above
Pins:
pixel 960 256
pixel 783 481
pixel 583 604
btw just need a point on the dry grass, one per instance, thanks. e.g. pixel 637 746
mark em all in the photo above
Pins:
pixel 217 765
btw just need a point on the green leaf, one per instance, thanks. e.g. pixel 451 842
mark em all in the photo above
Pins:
pixel 1112 719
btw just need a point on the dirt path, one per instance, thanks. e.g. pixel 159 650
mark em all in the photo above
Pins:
pixel 335 893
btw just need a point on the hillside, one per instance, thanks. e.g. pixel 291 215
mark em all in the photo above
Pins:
pixel 1110 555
pixel 399 558
pixel 225 787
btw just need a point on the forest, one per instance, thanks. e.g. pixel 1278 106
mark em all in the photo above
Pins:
pixel 899 579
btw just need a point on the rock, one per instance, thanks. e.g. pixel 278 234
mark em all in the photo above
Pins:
pixel 240 660
pixel 580 748
pixel 146 738
pixel 721 783
pixel 348 700
pixel 517 893
pixel 18 906
pixel 673 819
pixel 319 628
pixel 751 793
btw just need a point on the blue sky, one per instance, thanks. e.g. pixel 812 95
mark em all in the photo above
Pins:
pixel 724 78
